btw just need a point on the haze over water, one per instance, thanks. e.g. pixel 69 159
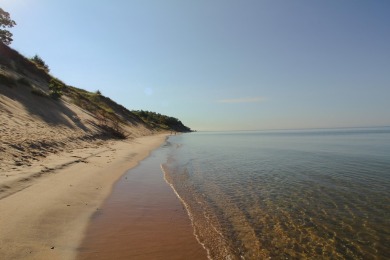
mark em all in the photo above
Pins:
pixel 286 194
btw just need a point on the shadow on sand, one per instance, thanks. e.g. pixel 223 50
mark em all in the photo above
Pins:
pixel 51 111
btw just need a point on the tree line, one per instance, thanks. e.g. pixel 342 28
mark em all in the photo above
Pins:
pixel 163 121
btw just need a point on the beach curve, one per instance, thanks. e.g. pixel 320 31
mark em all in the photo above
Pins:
pixel 47 217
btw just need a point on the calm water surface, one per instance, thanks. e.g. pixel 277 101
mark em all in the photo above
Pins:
pixel 318 194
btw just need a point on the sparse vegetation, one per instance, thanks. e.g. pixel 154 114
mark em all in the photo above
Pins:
pixel 109 120
pixel 88 100
pixel 111 124
pixel 39 62
pixel 56 86
pixel 6 22
pixel 113 118
pixel 11 59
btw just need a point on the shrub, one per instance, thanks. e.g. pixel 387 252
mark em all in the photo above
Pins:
pixel 56 87
pixel 38 61
pixel 111 124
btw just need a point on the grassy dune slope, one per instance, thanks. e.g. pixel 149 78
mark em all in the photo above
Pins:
pixel 33 125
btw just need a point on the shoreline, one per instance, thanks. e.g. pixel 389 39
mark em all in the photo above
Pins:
pixel 143 218
pixel 189 214
pixel 46 215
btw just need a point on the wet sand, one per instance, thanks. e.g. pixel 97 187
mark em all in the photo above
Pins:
pixel 141 219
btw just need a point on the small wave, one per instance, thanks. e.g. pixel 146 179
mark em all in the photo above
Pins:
pixel 187 209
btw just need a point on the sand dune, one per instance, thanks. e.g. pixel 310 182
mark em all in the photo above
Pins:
pixel 33 127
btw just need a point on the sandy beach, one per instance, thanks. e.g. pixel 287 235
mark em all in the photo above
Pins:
pixel 142 219
pixel 59 162
pixel 46 215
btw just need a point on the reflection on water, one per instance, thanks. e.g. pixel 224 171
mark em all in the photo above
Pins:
pixel 288 194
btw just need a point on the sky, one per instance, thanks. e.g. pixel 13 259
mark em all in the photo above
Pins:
pixel 221 64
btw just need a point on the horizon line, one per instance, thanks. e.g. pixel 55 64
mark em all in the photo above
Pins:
pixel 292 129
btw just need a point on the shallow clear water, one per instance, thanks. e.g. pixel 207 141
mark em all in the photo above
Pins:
pixel 286 194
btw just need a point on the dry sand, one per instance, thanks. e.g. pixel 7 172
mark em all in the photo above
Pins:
pixel 48 217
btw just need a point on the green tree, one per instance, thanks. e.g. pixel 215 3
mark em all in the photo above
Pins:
pixel 40 63
pixel 5 22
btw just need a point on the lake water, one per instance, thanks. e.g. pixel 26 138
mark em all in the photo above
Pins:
pixel 285 194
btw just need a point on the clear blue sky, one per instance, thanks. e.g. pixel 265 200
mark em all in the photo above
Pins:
pixel 221 64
